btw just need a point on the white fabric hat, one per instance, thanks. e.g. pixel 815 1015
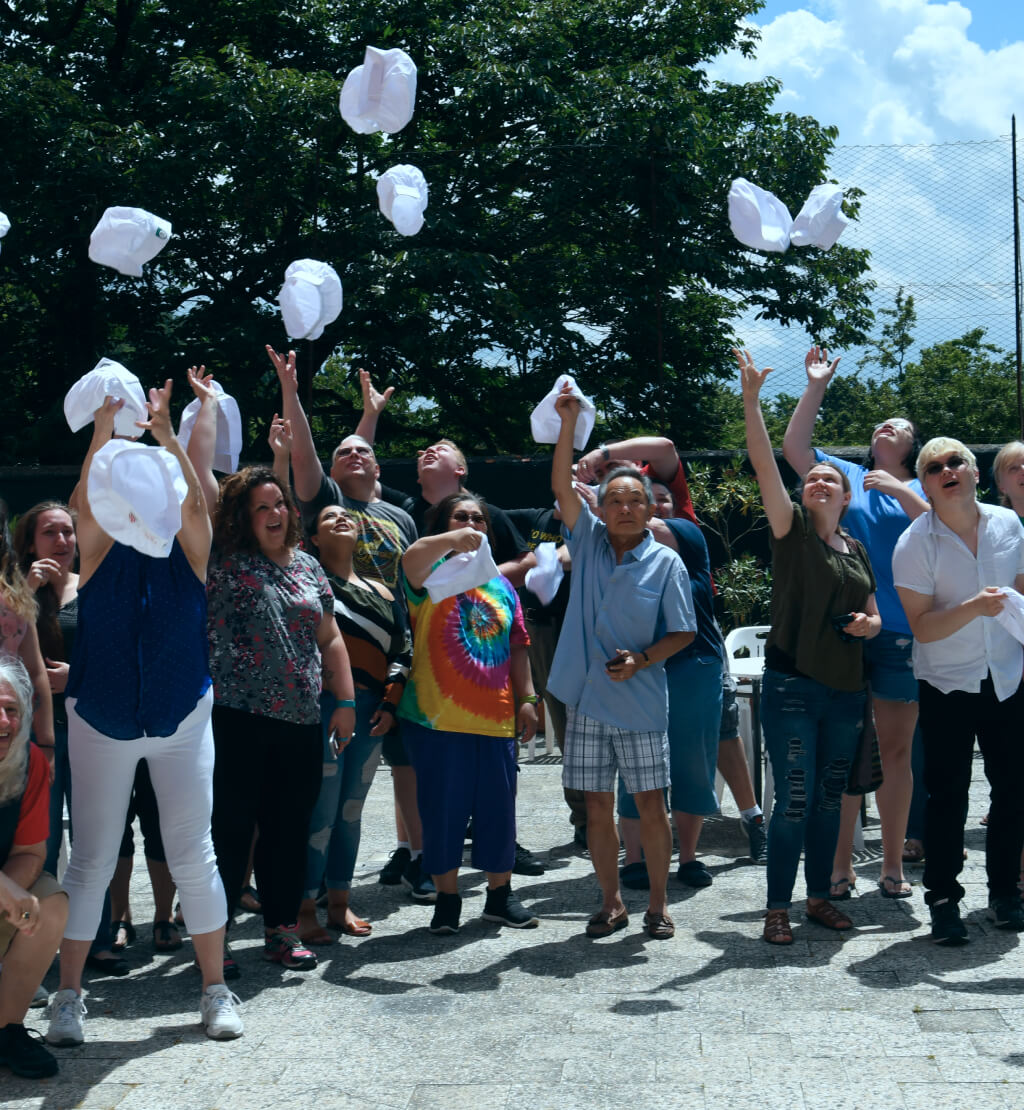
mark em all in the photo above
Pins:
pixel 1011 617
pixel 545 578
pixel 402 196
pixel 107 379
pixel 125 238
pixel 545 423
pixel 5 225
pixel 758 218
pixel 379 95
pixel 821 221
pixel 229 430
pixel 135 494
pixel 310 298
pixel 461 572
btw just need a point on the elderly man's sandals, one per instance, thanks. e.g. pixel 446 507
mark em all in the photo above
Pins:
pixel 605 922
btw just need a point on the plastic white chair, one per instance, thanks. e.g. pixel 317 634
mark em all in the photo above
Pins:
pixel 752 637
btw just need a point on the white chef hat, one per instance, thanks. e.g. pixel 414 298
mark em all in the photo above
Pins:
pixel 461 572
pixel 545 423
pixel 135 493
pixel 821 221
pixel 229 430
pixel 402 196
pixel 125 238
pixel 545 578
pixel 310 298
pixel 107 379
pixel 380 94
pixel 758 218
pixel 5 225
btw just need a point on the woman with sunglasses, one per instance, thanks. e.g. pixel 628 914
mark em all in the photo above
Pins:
pixel 469 694
pixel 885 498
pixel 952 568
pixel 823 611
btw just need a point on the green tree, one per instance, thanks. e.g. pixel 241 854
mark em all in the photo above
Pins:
pixel 578 160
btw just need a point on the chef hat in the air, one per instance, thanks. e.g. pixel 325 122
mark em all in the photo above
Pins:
pixel 402 195
pixel 125 238
pixel 758 218
pixel 821 221
pixel 107 379
pixel 229 429
pixel 310 298
pixel 379 95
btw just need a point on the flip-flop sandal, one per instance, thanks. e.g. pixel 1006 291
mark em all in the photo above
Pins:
pixel 842 889
pixel 888 891
pixel 358 928
pixel 166 937
pixel 118 927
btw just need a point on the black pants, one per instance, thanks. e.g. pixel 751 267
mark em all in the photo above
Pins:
pixel 949 725
pixel 267 773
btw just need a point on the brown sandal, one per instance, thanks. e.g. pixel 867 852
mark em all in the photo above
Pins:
pixel 777 929
pixel 826 914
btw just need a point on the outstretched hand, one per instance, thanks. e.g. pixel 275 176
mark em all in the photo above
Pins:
pixel 201 383
pixel 287 375
pixel 280 436
pixel 374 402
pixel 159 422
pixel 818 367
pixel 103 417
pixel 751 379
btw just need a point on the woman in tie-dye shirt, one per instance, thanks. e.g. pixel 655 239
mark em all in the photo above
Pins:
pixel 468 698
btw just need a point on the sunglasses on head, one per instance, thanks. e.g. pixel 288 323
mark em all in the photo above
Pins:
pixel 466 518
pixel 954 462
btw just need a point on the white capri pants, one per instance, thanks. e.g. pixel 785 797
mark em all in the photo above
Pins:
pixel 103 771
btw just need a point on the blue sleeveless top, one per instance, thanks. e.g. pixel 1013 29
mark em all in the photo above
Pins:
pixel 140 661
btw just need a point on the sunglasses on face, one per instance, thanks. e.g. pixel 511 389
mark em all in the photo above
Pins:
pixel 954 462
pixel 896 425
pixel 467 518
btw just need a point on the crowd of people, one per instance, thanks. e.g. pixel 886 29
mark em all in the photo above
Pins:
pixel 237 687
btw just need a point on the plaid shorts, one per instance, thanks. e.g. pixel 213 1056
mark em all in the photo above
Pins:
pixel 594 752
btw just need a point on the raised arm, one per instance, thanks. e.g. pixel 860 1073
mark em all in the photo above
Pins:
pixel 280 440
pixel 774 496
pixel 202 443
pixel 421 556
pixel 796 444
pixel 562 482
pixel 656 450
pixel 195 534
pixel 374 403
pixel 93 542
pixel 306 468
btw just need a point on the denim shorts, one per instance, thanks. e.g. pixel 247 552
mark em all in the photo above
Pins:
pixel 889 668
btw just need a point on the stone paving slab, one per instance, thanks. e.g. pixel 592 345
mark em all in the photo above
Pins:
pixel 544 1018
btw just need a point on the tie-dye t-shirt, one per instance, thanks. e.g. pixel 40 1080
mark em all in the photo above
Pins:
pixel 461 656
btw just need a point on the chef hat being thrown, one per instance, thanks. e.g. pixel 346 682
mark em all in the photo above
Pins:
pixel 379 95
pixel 107 379
pixel 310 299
pixel 821 221
pixel 758 218
pixel 229 430
pixel 5 225
pixel 402 196
pixel 545 423
pixel 125 238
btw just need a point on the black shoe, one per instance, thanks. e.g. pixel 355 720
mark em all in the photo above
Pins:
pixel 418 882
pixel 526 862
pixel 23 1052
pixel 947 928
pixel 113 965
pixel 579 836
pixel 446 914
pixel 694 874
pixel 391 872
pixel 505 908
pixel 757 834
pixel 1007 913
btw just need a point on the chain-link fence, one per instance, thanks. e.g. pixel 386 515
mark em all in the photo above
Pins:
pixel 938 221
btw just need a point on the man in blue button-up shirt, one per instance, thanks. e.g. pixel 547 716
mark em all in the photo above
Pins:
pixel 629 609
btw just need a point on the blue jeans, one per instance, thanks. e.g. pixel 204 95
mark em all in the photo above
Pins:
pixel 60 791
pixel 811 733
pixel 336 822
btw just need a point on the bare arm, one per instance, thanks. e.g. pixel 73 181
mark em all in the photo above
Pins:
pixel 16 902
pixel 522 687
pixel 515 569
pixel 93 542
pixel 280 440
pixel 337 677
pixel 306 468
pixel 929 624
pixel 374 403
pixel 796 444
pixel 868 624
pixel 421 556
pixel 662 533
pixel 25 864
pixel 629 662
pixel 911 503
pixel 658 451
pixel 42 716
pixel 203 442
pixel 569 504
pixel 777 505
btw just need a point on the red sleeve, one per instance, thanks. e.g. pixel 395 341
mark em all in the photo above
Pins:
pixel 34 821
pixel 681 494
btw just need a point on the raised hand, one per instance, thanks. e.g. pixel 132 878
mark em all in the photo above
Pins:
pixel 41 572
pixel 103 417
pixel 374 402
pixel 280 436
pixel 201 383
pixel 567 405
pixel 751 379
pixel 159 422
pixel 818 367
pixel 287 375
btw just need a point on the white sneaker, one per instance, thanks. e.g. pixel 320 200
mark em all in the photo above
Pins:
pixel 66 1012
pixel 220 1018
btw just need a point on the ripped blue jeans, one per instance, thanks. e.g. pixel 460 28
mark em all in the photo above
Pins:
pixel 810 734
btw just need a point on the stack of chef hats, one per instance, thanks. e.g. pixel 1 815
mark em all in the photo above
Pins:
pixel 229 430
pixel 107 379
pixel 380 94
pixel 125 238
pixel 402 195
pixel 310 298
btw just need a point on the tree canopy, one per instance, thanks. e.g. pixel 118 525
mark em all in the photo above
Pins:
pixel 578 159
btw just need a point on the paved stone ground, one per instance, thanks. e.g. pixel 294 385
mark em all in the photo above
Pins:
pixel 545 1018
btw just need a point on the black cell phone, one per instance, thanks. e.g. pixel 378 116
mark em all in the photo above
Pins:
pixel 613 662
pixel 839 624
